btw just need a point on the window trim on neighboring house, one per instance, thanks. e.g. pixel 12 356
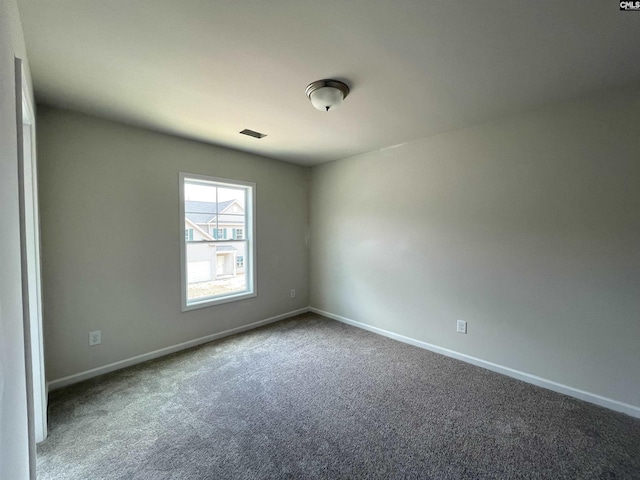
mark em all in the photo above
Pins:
pixel 249 238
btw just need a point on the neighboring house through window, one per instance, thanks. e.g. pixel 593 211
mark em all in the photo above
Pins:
pixel 218 251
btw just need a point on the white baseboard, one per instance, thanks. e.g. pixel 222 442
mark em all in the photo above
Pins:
pixel 94 372
pixel 510 372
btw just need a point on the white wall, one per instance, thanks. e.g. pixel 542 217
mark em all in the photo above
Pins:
pixel 528 228
pixel 111 236
pixel 14 446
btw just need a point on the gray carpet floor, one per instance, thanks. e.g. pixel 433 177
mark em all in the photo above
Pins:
pixel 312 398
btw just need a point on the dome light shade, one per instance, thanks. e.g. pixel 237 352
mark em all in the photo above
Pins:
pixel 327 94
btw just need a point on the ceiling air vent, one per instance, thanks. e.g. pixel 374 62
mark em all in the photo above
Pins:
pixel 253 134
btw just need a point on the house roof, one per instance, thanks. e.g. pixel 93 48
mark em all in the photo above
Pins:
pixel 193 206
pixel 205 212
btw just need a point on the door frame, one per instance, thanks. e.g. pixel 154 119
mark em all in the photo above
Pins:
pixel 30 265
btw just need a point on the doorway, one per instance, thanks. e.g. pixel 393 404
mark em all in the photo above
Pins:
pixel 30 259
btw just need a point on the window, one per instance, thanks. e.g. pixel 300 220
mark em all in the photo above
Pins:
pixel 218 265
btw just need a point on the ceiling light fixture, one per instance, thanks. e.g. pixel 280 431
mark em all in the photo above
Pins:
pixel 327 94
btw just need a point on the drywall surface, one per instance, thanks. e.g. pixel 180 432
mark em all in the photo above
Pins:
pixel 14 440
pixel 527 228
pixel 111 238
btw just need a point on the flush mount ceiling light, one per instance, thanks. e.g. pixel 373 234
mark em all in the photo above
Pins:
pixel 327 94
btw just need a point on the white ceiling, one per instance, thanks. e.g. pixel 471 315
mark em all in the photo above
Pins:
pixel 210 68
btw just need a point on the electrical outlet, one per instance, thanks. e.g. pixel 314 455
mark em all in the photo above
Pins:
pixel 462 326
pixel 95 338
pixel 293 293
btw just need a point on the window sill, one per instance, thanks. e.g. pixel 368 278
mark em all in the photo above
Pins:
pixel 212 301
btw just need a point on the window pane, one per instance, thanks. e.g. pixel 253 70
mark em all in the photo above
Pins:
pixel 200 208
pixel 218 249
pixel 215 212
pixel 212 269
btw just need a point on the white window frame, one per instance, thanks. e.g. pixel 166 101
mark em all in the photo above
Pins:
pixel 250 239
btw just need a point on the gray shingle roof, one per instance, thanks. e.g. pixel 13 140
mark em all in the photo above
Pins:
pixel 199 218
pixel 204 212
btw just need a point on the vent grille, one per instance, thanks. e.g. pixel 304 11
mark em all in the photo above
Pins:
pixel 253 134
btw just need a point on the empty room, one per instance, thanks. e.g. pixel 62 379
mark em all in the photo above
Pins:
pixel 342 239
